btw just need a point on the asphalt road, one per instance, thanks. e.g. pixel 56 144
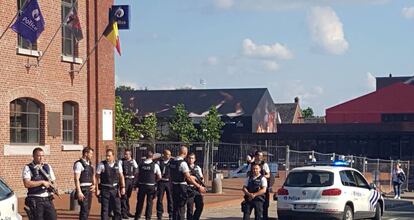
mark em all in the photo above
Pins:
pixel 402 213
pixel 232 212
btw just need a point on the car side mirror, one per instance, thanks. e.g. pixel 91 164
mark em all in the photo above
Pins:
pixel 373 186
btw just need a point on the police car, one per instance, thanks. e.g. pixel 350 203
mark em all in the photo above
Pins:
pixel 333 192
pixel 8 203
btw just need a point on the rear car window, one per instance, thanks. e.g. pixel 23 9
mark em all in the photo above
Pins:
pixel 309 178
pixel 5 191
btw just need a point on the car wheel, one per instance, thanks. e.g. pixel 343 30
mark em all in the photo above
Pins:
pixel 348 213
pixel 377 212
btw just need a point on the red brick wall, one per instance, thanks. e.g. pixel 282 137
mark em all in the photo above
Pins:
pixel 51 84
pixel 101 76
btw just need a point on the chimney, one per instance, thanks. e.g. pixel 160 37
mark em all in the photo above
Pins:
pixel 297 100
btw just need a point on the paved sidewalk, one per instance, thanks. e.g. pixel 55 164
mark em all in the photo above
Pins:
pixel 231 196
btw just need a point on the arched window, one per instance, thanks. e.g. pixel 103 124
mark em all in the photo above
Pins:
pixel 69 123
pixel 24 121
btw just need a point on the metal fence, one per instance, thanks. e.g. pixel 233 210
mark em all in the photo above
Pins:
pixel 227 156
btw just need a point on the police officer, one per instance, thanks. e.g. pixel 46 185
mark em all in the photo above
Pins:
pixel 84 182
pixel 110 178
pixel 148 173
pixel 39 198
pixel 265 171
pixel 164 185
pixel 180 172
pixel 254 190
pixel 197 199
pixel 129 168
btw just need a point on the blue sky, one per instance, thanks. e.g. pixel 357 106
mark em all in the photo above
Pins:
pixel 323 51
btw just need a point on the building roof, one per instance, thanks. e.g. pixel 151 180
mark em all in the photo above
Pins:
pixel 230 102
pixel 387 81
pixel 396 98
pixel 286 111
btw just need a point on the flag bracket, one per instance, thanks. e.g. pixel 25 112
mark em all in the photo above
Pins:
pixel 29 65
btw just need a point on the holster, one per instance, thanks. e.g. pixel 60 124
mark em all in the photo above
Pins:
pixel 29 208
pixel 244 206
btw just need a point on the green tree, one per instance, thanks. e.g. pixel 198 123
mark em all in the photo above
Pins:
pixel 148 127
pixel 307 113
pixel 211 126
pixel 182 126
pixel 125 130
pixel 123 88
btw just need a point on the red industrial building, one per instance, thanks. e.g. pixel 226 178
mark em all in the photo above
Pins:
pixel 393 103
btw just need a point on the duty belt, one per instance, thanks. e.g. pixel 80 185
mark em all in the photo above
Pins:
pixel 86 184
pixel 183 183
pixel 108 185
pixel 148 184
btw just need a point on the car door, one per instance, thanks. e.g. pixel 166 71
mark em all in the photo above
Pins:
pixel 369 197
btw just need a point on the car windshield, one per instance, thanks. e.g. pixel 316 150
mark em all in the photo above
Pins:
pixel 309 178
pixel 5 191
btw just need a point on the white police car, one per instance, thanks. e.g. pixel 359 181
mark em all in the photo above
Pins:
pixel 328 192
pixel 8 203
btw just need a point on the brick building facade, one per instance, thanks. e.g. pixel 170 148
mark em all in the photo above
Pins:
pixel 48 103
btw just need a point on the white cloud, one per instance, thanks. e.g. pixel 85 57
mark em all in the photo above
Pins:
pixel 276 50
pixel 326 30
pixel 371 81
pixel 212 61
pixel 268 5
pixel 223 4
pixel 270 65
pixel 408 12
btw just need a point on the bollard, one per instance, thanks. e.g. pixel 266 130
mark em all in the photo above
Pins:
pixel 73 203
pixel 217 183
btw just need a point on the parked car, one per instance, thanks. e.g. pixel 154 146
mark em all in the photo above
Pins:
pixel 241 171
pixel 334 192
pixel 8 203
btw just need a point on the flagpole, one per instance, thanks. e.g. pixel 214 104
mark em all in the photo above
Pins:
pixel 89 54
pixel 48 45
pixel 15 16
pixel 54 35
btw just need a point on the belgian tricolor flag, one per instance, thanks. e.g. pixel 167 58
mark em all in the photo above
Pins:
pixel 111 33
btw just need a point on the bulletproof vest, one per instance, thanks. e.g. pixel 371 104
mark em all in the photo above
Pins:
pixel 37 176
pixel 146 173
pixel 165 169
pixel 86 175
pixel 254 184
pixel 176 174
pixel 128 167
pixel 110 175
pixel 193 171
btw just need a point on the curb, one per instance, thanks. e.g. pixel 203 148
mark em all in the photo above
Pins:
pixel 393 203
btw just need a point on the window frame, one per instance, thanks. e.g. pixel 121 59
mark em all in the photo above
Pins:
pixel 21 42
pixel 74 45
pixel 71 118
pixel 24 114
pixel 358 177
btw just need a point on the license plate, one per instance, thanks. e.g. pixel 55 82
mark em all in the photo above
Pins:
pixel 305 206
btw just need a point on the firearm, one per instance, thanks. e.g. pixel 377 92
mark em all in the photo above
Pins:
pixel 52 187
pixel 199 180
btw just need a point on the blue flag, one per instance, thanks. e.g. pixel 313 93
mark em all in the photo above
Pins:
pixel 30 24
